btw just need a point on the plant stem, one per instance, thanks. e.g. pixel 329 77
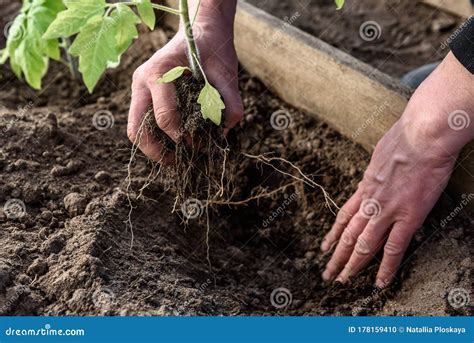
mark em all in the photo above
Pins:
pixel 70 60
pixel 188 32
pixel 166 9
pixel 201 69
pixel 158 7
pixel 196 14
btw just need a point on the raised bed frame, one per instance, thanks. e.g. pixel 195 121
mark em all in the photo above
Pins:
pixel 356 99
pixel 462 8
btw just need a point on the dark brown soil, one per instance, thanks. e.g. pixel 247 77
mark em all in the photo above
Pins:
pixel 71 254
pixel 409 34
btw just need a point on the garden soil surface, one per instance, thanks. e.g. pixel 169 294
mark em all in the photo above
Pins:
pixel 64 154
pixel 399 35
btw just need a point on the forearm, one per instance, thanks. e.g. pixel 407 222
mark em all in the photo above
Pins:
pixel 442 108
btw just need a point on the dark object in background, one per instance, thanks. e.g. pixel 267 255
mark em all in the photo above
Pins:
pixel 462 45
pixel 415 77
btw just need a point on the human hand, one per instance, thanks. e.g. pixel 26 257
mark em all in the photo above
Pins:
pixel 409 169
pixel 213 32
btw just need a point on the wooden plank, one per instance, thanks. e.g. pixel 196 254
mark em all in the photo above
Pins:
pixel 462 8
pixel 356 99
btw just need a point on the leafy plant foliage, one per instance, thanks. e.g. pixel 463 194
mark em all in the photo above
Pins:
pixel 101 33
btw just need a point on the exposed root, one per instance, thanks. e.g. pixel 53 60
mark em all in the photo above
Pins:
pixel 133 153
pixel 252 198
pixel 205 172
pixel 303 178
pixel 146 126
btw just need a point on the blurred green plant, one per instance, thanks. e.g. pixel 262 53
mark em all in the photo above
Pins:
pixel 94 34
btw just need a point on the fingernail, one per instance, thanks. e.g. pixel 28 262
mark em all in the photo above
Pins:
pixel 379 283
pixel 326 275
pixel 340 279
pixel 324 246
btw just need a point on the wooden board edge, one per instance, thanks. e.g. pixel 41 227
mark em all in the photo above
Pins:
pixel 462 8
pixel 251 22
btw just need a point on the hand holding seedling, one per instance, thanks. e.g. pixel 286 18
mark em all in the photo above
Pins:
pixel 213 32
pixel 95 33
pixel 409 169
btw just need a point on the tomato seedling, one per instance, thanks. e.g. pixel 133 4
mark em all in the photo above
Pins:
pixel 97 33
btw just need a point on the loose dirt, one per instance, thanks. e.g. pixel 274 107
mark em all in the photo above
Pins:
pixel 394 36
pixel 64 154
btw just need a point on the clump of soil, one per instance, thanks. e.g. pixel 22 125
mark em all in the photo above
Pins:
pixel 204 167
pixel 67 251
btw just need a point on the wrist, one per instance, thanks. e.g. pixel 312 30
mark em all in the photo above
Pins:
pixel 440 115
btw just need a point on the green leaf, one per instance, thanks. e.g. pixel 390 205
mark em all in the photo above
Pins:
pixel 95 46
pixel 32 62
pixel 172 75
pixel 146 11
pixel 27 51
pixel 16 32
pixel 54 5
pixel 3 56
pixel 72 20
pixel 125 21
pixel 51 49
pixel 211 104
pixel 40 15
pixel 339 4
